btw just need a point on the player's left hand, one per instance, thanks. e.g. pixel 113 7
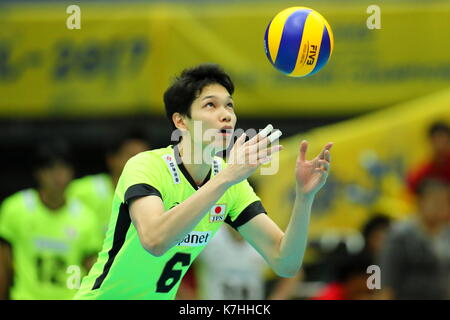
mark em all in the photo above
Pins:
pixel 312 175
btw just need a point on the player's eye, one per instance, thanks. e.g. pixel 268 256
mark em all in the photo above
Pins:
pixel 230 105
pixel 209 104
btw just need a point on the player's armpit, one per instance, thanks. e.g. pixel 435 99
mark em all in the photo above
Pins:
pixel 144 213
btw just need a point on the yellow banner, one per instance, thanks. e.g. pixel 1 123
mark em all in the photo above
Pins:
pixel 370 157
pixel 100 69
pixel 124 56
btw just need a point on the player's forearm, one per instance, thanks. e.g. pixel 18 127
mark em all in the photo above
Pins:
pixel 177 222
pixel 293 244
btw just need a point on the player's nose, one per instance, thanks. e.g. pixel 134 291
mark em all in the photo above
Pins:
pixel 225 118
pixel 225 115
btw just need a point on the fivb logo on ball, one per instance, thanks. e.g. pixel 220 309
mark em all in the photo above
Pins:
pixel 298 41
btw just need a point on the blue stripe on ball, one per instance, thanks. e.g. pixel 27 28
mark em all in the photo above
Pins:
pixel 266 43
pixel 324 52
pixel 290 41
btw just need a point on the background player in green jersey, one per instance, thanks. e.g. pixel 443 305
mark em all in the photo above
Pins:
pixel 97 191
pixel 169 202
pixel 43 232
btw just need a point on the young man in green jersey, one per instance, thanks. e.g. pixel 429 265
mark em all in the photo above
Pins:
pixel 97 191
pixel 46 237
pixel 169 202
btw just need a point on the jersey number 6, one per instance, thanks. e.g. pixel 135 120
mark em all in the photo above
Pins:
pixel 169 273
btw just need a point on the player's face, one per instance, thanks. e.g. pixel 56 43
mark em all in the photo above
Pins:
pixel 213 109
pixel 129 149
pixel 377 239
pixel 54 178
pixel 435 205
pixel 441 143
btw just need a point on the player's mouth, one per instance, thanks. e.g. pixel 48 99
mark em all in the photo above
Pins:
pixel 226 131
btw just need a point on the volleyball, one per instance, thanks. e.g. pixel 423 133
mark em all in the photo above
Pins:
pixel 298 41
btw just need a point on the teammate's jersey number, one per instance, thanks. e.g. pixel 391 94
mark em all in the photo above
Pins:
pixel 170 277
pixel 49 269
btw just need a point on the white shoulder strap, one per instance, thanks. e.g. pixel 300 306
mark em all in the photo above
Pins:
pixel 173 168
pixel 217 166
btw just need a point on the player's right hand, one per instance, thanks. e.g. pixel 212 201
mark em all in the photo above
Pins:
pixel 246 157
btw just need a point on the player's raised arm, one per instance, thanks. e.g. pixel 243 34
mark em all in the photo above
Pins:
pixel 284 251
pixel 159 230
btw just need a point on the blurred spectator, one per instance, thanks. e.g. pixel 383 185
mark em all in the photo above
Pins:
pixel 229 268
pixel 415 262
pixel 374 232
pixel 44 232
pixel 350 281
pixel 97 191
pixel 438 166
pixel 346 275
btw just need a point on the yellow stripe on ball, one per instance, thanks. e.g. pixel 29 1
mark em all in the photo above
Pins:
pixel 276 30
pixel 310 45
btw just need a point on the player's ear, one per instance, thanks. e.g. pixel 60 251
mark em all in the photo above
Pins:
pixel 179 121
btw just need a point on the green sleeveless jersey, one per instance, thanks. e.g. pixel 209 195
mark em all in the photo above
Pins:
pixel 124 269
pixel 48 246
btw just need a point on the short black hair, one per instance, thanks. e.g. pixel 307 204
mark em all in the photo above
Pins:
pixel 438 127
pixel 116 143
pixel 352 265
pixel 376 222
pixel 49 152
pixel 183 91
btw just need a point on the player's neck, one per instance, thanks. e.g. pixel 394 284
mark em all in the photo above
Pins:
pixel 197 167
pixel 52 200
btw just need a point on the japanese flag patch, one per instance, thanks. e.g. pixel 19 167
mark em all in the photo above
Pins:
pixel 217 213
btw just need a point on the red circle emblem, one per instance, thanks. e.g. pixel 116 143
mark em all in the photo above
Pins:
pixel 217 210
